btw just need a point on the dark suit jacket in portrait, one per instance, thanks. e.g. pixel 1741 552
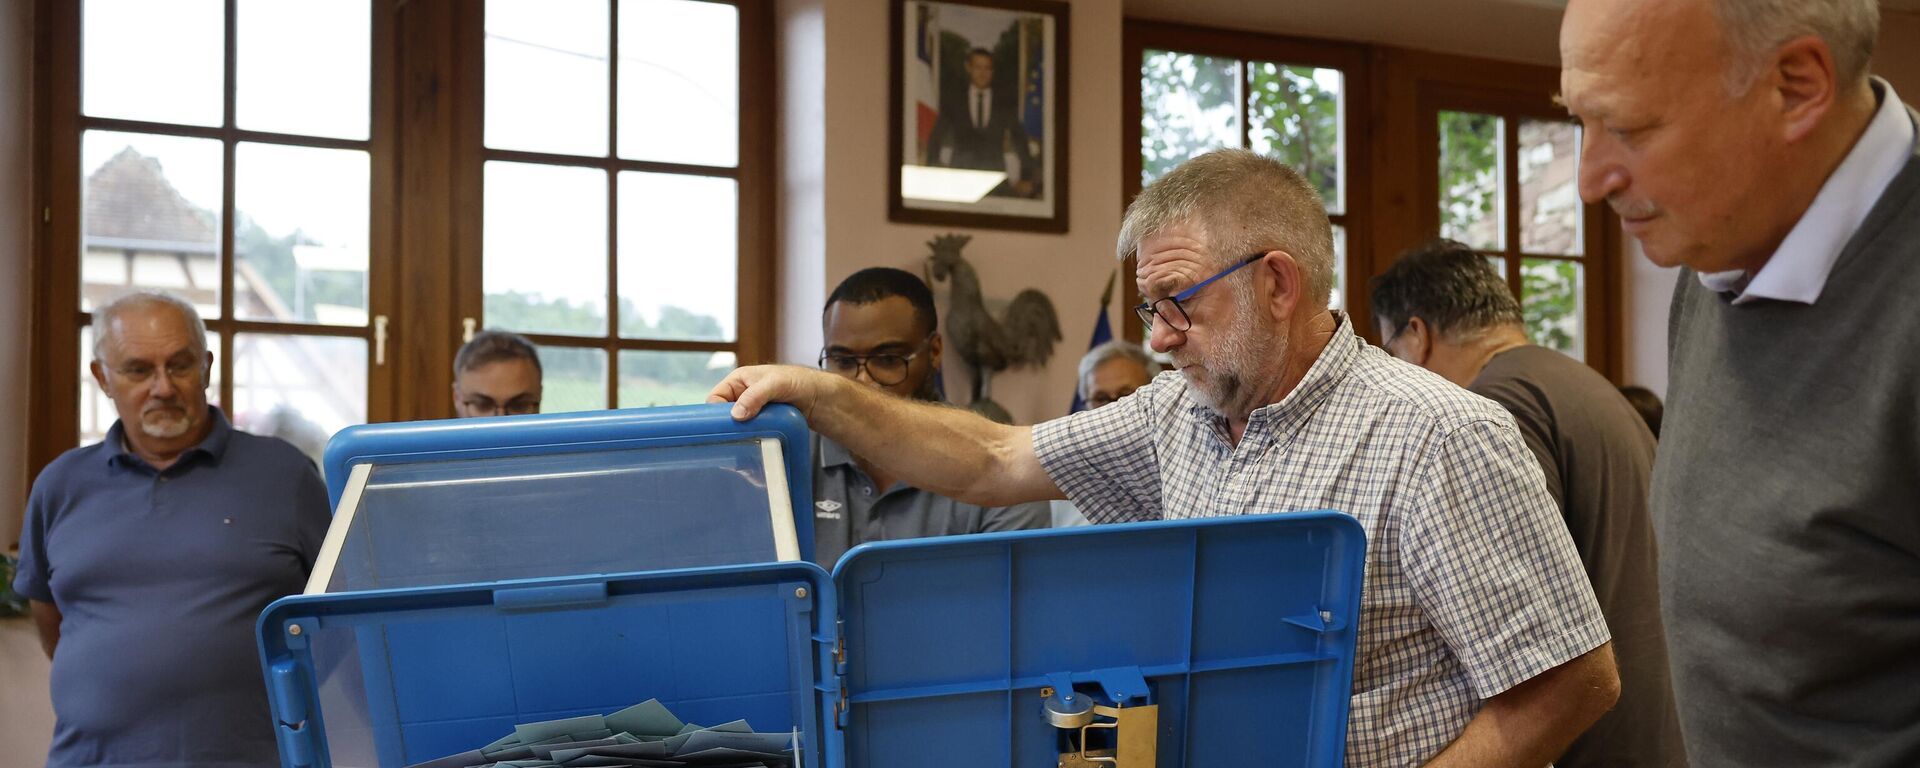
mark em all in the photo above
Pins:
pixel 980 147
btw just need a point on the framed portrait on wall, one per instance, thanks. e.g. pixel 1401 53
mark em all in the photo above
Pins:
pixel 978 124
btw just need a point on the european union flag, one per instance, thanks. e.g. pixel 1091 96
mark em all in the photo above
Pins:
pixel 1033 113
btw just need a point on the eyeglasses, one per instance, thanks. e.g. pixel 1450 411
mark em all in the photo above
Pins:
pixel 485 406
pixel 140 373
pixel 1169 309
pixel 1387 343
pixel 885 369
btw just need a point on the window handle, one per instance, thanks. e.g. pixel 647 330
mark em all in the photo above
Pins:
pixel 468 325
pixel 379 339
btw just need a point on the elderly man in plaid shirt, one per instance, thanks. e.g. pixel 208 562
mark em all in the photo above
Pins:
pixel 1480 640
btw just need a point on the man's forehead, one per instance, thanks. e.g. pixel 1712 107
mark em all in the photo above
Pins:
pixel 1607 39
pixel 1175 243
pixel 891 321
pixel 151 331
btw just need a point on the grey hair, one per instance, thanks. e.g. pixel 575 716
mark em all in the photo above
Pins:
pixel 1114 350
pixel 1243 203
pixel 1450 286
pixel 104 315
pixel 1755 28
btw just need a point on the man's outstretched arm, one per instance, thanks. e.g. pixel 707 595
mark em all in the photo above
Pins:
pixel 938 448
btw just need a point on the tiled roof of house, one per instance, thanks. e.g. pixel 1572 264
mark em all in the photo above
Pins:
pixel 129 198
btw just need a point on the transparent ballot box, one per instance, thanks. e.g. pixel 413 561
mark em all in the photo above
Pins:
pixel 480 500
pixel 1197 643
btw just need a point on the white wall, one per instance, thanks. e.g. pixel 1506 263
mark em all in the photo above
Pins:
pixel 837 225
pixel 16 248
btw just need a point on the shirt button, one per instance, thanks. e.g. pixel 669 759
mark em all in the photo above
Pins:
pixel 866 490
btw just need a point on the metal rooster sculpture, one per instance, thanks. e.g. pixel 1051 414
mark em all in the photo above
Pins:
pixel 1024 335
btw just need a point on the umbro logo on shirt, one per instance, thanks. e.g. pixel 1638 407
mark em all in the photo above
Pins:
pixel 827 508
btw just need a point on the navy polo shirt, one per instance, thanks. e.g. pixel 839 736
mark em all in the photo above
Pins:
pixel 159 577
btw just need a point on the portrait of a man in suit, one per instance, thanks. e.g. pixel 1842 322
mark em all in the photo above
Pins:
pixel 979 128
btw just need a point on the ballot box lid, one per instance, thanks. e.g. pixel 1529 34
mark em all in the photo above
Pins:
pixel 462 501
pixel 1239 632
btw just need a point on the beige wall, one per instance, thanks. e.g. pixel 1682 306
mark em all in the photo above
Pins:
pixel 1897 57
pixel 836 225
pixel 16 245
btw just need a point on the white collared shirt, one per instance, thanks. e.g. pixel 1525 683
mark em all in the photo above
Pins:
pixel 979 105
pixel 1798 269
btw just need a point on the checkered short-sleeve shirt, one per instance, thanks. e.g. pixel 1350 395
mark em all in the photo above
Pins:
pixel 1472 582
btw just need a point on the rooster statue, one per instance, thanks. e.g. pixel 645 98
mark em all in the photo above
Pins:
pixel 1023 335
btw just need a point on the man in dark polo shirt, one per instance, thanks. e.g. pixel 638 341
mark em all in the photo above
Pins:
pixel 881 330
pixel 1442 307
pixel 148 556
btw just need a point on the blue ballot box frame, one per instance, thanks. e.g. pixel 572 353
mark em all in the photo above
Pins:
pixel 559 433
pixel 1241 630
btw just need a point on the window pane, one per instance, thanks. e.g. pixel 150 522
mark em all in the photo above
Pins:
pixel 150 217
pixel 1293 113
pixel 1339 298
pixel 1552 301
pixel 157 60
pixel 279 87
pixel 1471 207
pixel 1186 108
pixel 573 379
pixel 670 378
pixel 96 409
pixel 679 81
pixel 678 256
pixel 547 75
pixel 1550 212
pixel 301 389
pixel 1499 264
pixel 300 234
pixel 544 243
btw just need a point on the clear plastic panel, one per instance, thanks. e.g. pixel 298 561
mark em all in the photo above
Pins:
pixel 396 688
pixel 519 517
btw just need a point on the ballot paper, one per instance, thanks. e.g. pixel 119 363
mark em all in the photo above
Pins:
pixel 644 735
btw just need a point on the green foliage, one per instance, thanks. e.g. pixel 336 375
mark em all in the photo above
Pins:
pixel 576 378
pixel 1187 108
pixel 1169 137
pixel 1550 303
pixel 1292 118
pixel 272 258
pixel 1470 178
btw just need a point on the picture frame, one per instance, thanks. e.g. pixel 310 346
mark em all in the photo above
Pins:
pixel 978 117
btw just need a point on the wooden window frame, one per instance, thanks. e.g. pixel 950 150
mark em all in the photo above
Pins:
pixel 753 173
pixel 1355 65
pixel 1393 95
pixel 1413 87
pixel 425 160
pixel 58 318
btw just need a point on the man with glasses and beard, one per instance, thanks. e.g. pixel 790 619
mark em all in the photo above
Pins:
pixel 148 557
pixel 1480 640
pixel 881 331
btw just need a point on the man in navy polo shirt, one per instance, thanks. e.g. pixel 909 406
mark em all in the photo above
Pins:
pixel 148 556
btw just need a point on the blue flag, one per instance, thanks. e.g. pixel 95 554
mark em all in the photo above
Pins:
pixel 1102 333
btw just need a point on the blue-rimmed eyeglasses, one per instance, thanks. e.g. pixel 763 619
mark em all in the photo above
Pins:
pixel 1169 309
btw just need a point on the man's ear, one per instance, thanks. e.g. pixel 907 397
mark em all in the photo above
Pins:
pixel 1806 83
pixel 99 375
pixel 934 348
pixel 1417 341
pixel 1286 275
